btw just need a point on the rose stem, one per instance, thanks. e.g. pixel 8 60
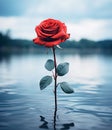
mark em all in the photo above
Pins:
pixel 55 86
pixel 55 79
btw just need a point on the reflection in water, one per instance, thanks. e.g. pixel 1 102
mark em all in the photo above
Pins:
pixel 67 126
pixel 44 124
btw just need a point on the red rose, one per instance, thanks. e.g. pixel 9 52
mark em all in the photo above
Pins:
pixel 51 32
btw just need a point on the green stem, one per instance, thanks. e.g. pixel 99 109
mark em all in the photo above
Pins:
pixel 55 79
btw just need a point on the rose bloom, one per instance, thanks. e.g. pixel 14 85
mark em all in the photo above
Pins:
pixel 51 32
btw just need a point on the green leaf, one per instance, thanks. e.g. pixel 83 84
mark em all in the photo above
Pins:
pixel 63 68
pixel 65 87
pixel 49 65
pixel 45 81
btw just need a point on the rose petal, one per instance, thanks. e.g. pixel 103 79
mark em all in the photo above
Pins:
pixel 38 41
pixel 60 34
pixel 53 43
pixel 42 34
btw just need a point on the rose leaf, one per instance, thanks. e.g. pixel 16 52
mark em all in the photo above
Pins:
pixel 49 65
pixel 62 69
pixel 45 81
pixel 65 87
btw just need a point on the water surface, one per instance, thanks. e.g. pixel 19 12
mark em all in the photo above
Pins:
pixel 24 106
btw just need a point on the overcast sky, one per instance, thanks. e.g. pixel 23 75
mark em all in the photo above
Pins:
pixel 91 19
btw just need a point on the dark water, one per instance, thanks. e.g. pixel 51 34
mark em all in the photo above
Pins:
pixel 23 106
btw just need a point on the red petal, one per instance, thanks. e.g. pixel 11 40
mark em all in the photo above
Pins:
pixel 53 43
pixel 41 34
pixel 60 34
pixel 38 41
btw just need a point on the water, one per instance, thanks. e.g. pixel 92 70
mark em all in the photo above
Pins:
pixel 24 106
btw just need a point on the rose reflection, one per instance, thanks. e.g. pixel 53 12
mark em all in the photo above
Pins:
pixel 65 126
pixel 44 124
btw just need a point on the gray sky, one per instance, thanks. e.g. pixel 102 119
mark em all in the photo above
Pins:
pixel 90 19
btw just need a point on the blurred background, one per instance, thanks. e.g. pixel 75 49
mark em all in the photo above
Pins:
pixel 89 51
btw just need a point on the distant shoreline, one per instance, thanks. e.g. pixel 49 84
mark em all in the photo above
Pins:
pixel 64 51
pixel 9 45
